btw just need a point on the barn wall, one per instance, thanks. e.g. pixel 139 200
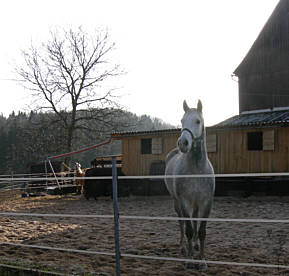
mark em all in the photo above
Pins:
pixel 232 155
pixel 135 163
pixel 263 91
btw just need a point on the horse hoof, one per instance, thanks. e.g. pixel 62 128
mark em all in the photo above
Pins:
pixel 190 266
pixel 202 266
pixel 196 266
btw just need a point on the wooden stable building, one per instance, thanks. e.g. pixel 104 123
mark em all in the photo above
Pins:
pixel 142 149
pixel 251 143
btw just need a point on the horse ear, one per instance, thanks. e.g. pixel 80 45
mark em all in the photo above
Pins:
pixel 200 106
pixel 185 106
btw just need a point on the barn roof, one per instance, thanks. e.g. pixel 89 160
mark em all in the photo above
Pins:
pixel 145 132
pixel 256 119
pixel 270 43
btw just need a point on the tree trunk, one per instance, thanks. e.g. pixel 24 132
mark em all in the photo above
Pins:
pixel 69 145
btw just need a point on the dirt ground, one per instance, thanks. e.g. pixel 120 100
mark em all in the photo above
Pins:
pixel 226 241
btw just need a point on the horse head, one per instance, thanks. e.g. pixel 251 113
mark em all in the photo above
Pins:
pixel 192 127
pixel 77 166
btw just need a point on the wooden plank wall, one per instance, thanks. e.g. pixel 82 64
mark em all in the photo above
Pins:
pixel 135 163
pixel 232 155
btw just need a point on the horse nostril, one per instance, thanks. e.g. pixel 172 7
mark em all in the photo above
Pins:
pixel 183 143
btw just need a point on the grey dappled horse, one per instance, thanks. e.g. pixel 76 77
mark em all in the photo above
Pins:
pixel 193 197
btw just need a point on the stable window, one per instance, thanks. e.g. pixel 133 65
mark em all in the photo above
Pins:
pixel 146 146
pixel 157 145
pixel 255 140
pixel 211 143
pixel 269 139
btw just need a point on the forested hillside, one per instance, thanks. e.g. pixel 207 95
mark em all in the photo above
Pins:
pixel 30 138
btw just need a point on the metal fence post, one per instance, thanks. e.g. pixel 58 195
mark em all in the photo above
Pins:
pixel 116 215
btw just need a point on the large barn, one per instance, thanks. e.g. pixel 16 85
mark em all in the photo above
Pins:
pixel 255 140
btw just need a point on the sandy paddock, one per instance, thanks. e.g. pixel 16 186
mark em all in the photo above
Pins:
pixel 232 242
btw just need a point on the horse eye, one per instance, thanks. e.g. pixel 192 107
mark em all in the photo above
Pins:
pixel 198 121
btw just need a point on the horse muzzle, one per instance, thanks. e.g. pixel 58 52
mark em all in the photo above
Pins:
pixel 184 144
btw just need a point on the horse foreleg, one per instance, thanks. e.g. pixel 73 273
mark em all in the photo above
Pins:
pixel 182 238
pixel 82 186
pixel 202 237
pixel 195 229
pixel 190 236
pixel 182 227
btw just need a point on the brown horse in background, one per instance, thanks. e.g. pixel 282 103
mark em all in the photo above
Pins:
pixel 79 173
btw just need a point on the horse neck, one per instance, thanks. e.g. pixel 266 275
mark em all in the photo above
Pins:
pixel 78 170
pixel 198 151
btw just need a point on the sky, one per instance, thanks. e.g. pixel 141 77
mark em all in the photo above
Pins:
pixel 171 50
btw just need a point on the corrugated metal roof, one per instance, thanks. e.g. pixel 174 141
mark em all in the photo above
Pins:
pixel 256 119
pixel 146 132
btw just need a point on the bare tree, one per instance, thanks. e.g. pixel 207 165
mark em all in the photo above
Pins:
pixel 67 77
